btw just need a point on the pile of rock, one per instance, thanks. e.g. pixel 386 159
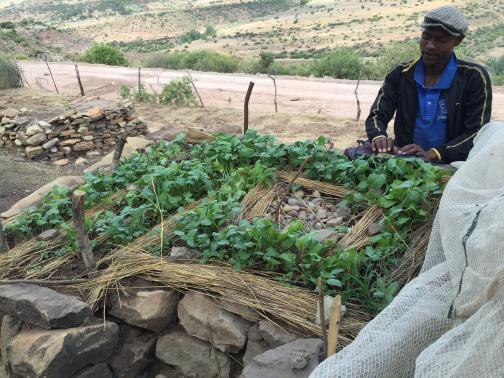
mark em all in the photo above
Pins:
pixel 147 333
pixel 74 133
pixel 315 212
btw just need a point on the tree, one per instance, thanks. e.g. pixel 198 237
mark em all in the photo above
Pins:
pixel 104 53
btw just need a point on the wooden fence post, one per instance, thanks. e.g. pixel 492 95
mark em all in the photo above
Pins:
pixel 357 99
pixel 82 236
pixel 195 89
pixel 275 100
pixel 246 108
pixel 79 81
pixel 4 246
pixel 139 79
pixel 334 323
pixel 121 140
pixel 52 77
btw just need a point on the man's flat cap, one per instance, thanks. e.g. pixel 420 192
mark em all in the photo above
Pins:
pixel 449 18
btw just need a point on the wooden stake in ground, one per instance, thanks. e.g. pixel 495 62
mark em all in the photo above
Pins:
pixel 52 77
pixel 79 81
pixel 195 89
pixel 357 99
pixel 275 100
pixel 139 79
pixel 322 316
pixel 121 140
pixel 82 236
pixel 4 246
pixel 334 323
pixel 246 107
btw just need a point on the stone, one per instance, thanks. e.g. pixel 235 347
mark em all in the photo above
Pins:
pixel 66 150
pixel 81 161
pixel 93 154
pixel 87 138
pixel 42 307
pixel 83 146
pixel 343 212
pixel 274 335
pixel 202 318
pixel 18 142
pixel 293 202
pixel 37 139
pixel 96 112
pixel 322 214
pixel 44 125
pixel 48 234
pixel 53 149
pixel 34 129
pixel 326 234
pixel 254 348
pixel 184 253
pixel 374 229
pixel 154 310
pixel 61 353
pixel 194 358
pixel 82 130
pixel 11 326
pixel 10 113
pixel 316 194
pixel 69 142
pixel 32 152
pixel 50 144
pixel 94 371
pixel 293 360
pixel 335 222
pixel 61 162
pixel 243 311
pixel 134 356
pixel 289 208
pixel 70 182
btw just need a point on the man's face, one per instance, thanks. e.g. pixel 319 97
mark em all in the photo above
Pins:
pixel 437 45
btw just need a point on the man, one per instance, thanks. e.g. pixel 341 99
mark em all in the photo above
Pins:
pixel 440 102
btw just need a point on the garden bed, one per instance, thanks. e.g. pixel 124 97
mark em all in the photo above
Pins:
pixel 262 233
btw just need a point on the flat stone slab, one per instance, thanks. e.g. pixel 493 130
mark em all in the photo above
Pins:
pixel 42 307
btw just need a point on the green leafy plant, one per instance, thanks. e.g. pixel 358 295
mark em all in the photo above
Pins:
pixel 104 53
pixel 178 92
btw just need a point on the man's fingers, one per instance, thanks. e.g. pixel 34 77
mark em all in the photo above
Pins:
pixel 390 144
pixel 408 149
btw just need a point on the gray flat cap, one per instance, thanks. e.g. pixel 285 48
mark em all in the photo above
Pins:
pixel 449 18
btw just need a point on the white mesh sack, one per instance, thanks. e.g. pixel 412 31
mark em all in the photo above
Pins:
pixel 446 322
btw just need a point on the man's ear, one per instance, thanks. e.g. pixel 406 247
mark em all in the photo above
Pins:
pixel 459 40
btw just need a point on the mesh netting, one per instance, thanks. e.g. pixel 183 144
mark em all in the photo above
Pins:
pixel 439 325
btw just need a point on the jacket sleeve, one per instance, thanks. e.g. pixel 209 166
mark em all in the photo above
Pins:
pixel 384 106
pixel 477 112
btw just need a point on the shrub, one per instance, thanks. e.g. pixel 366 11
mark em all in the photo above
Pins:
pixel 399 52
pixel 178 92
pixel 342 63
pixel 10 76
pixel 104 53
pixel 496 65
pixel 266 59
pixel 203 60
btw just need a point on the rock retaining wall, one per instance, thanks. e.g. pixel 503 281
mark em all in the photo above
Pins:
pixel 152 332
pixel 72 134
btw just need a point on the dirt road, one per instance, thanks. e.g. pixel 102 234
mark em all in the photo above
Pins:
pixel 295 95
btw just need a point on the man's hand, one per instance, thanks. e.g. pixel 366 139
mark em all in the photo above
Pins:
pixel 383 145
pixel 415 149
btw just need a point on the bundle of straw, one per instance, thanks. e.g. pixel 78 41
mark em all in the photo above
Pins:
pixel 358 235
pixel 323 187
pixel 257 201
pixel 270 299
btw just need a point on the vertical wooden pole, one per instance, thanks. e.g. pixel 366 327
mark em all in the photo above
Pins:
pixel 79 81
pixel 82 236
pixel 4 246
pixel 322 315
pixel 120 142
pixel 139 79
pixel 195 89
pixel 246 108
pixel 334 323
pixel 52 77
pixel 357 99
pixel 275 100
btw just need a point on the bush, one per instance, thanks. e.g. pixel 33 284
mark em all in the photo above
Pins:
pixel 203 60
pixel 341 63
pixel 496 66
pixel 104 53
pixel 178 92
pixel 10 76
pixel 400 52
